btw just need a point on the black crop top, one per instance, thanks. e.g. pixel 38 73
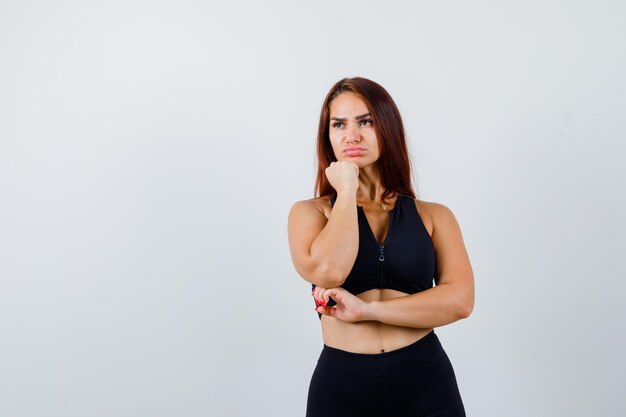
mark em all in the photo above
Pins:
pixel 404 261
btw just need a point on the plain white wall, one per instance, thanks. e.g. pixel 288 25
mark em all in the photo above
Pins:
pixel 150 152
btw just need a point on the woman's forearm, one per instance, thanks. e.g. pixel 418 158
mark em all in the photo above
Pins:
pixel 434 307
pixel 337 245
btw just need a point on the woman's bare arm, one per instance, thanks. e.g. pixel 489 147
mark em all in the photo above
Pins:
pixel 453 296
pixel 323 250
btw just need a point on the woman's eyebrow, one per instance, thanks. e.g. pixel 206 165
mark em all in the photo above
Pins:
pixel 343 119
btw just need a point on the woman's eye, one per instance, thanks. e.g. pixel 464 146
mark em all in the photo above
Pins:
pixel 366 122
pixel 337 125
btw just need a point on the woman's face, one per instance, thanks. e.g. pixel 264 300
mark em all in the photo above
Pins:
pixel 351 131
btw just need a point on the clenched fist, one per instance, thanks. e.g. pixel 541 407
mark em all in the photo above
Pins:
pixel 343 176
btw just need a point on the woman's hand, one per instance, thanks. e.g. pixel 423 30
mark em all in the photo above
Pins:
pixel 343 176
pixel 349 308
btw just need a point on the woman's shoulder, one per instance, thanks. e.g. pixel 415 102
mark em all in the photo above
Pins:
pixel 437 214
pixel 429 206
pixel 319 204
pixel 432 208
pixel 433 213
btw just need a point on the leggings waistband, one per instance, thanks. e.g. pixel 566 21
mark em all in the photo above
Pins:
pixel 384 363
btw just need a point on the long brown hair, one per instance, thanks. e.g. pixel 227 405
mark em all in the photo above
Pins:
pixel 394 163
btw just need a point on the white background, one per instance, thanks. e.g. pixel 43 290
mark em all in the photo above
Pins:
pixel 150 152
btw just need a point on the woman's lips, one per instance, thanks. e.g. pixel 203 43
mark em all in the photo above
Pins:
pixel 354 151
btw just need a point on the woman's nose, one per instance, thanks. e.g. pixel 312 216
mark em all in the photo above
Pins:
pixel 352 132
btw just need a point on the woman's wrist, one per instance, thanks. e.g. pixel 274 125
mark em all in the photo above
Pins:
pixel 371 309
pixel 348 194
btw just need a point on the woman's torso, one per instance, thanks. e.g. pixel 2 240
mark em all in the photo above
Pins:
pixel 373 336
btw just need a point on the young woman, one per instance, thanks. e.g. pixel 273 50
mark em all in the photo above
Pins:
pixel 371 251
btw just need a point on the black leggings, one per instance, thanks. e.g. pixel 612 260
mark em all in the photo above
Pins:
pixel 414 381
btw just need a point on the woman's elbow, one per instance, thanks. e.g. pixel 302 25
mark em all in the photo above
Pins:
pixel 326 277
pixel 465 312
pixel 466 307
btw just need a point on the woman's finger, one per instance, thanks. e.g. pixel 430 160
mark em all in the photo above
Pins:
pixel 316 294
pixel 336 294
pixel 327 311
pixel 320 296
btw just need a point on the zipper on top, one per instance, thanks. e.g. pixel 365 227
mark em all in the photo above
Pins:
pixel 381 259
pixel 381 246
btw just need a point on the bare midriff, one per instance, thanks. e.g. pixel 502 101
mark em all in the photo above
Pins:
pixel 370 336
